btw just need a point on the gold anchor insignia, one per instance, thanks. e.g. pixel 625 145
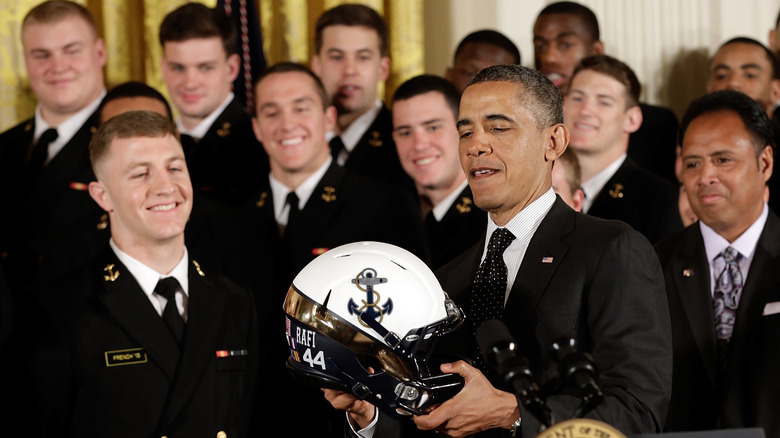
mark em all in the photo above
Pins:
pixel 616 192
pixel 112 275
pixel 93 129
pixel 197 268
pixel 28 127
pixel 225 130
pixel 261 202
pixel 375 141
pixel 103 222
pixel 329 195
pixel 465 205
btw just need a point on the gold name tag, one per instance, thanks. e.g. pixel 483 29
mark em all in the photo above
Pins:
pixel 133 356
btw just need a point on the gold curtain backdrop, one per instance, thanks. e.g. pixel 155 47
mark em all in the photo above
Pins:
pixel 129 28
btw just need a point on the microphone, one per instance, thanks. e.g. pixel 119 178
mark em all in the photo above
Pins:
pixel 578 369
pixel 498 348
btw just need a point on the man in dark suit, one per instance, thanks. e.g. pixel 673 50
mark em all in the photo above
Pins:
pixel 44 162
pixel 309 204
pixel 199 64
pixel 564 33
pixel 135 357
pixel 567 275
pixel 601 111
pixel 425 109
pixel 350 57
pixel 724 294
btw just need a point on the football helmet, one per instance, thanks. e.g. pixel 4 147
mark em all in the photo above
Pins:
pixel 364 318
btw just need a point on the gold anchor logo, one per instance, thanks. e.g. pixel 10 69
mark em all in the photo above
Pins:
pixel 375 141
pixel 112 275
pixel 197 268
pixel 103 222
pixel 225 130
pixel 616 192
pixel 464 206
pixel 329 195
pixel 365 280
pixel 261 202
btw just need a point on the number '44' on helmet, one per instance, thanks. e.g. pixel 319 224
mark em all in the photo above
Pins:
pixel 364 318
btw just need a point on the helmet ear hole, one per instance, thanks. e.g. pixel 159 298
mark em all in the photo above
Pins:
pixel 371 364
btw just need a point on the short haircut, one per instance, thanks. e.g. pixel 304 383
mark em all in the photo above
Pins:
pixel 196 20
pixel 291 67
pixel 545 103
pixel 586 16
pixel 753 116
pixel 618 70
pixel 571 169
pixel 130 124
pixel 53 11
pixel 430 83
pixel 770 56
pixel 132 89
pixel 491 37
pixel 351 14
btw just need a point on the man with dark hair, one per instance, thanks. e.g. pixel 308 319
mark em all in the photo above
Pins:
pixel 308 204
pixel 556 274
pixel 477 50
pixel 199 64
pixel 425 109
pixel 566 32
pixel 144 334
pixel 350 57
pixel 567 179
pixel 601 111
pixel 130 96
pixel 721 280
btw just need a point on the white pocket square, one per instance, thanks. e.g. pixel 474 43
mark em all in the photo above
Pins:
pixel 772 308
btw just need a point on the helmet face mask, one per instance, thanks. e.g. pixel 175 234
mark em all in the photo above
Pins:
pixel 379 350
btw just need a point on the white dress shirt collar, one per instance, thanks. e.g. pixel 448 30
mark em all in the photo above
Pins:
pixel 67 129
pixel 304 191
pixel 203 127
pixel 594 185
pixel 439 211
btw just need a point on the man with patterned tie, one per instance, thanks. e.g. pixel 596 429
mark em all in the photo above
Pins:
pixel 148 341
pixel 44 162
pixel 199 64
pixel 556 273
pixel 722 286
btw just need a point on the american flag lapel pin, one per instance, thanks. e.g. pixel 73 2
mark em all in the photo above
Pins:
pixel 547 259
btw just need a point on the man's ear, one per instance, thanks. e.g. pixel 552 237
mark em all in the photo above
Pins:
pixel 597 48
pixel 766 162
pixel 97 191
pixel 557 142
pixel 634 119
pixel 384 68
pixel 316 65
pixel 233 62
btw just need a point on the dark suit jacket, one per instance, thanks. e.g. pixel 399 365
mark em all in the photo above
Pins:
pixel 640 199
pixel 653 146
pixel 375 156
pixel 748 394
pixel 109 366
pixel 459 229
pixel 228 163
pixel 603 288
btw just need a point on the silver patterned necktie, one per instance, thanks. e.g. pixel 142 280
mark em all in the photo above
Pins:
pixel 728 289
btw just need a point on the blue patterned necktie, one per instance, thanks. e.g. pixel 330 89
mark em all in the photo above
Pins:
pixel 487 296
pixel 728 289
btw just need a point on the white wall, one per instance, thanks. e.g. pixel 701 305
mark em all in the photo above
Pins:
pixel 666 42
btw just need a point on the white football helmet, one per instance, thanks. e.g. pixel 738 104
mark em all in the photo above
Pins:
pixel 371 305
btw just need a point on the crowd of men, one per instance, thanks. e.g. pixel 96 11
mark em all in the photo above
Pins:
pixel 146 252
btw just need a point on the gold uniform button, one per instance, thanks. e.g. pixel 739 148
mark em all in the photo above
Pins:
pixel 221 434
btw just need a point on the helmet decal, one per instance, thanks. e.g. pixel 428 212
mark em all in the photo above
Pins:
pixel 365 281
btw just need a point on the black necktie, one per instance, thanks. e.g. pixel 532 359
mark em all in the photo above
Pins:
pixel 292 201
pixel 167 287
pixel 489 291
pixel 336 146
pixel 40 151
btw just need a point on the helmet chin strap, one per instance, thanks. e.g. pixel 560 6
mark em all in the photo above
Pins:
pixel 392 339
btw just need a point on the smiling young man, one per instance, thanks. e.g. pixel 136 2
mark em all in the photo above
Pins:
pixel 350 57
pixel 720 271
pixel 44 162
pixel 144 319
pixel 601 111
pixel 308 204
pixel 199 64
pixel 561 271
pixel 425 109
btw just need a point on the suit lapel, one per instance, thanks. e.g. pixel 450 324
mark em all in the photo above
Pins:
pixel 690 272
pixel 545 252
pixel 611 197
pixel 130 307
pixel 205 310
